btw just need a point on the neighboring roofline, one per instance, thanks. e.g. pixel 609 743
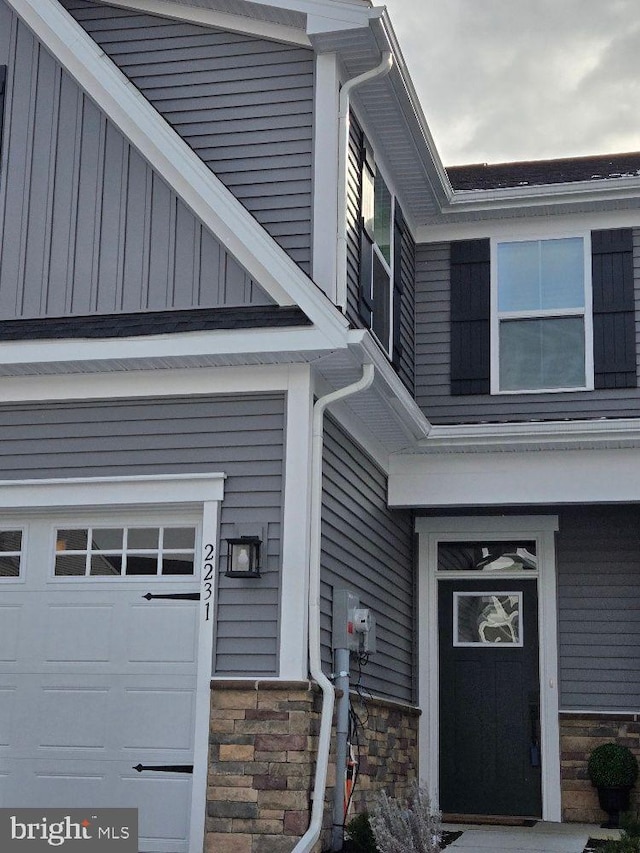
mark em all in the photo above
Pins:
pixel 185 173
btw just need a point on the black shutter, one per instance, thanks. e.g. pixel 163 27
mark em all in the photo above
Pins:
pixel 470 317
pixel 3 84
pixel 614 344
pixel 398 235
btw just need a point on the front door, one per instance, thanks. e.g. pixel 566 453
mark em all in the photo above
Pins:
pixel 489 696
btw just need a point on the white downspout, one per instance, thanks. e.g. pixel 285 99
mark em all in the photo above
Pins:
pixel 343 159
pixel 312 834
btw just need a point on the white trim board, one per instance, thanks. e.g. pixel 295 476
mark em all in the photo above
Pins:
pixel 541 528
pixel 214 18
pixel 180 167
pixel 515 478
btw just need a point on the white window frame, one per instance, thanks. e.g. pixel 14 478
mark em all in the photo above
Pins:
pixel 389 267
pixel 497 316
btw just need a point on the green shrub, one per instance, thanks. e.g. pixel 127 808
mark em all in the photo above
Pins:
pixel 630 824
pixel 626 844
pixel 360 834
pixel 612 766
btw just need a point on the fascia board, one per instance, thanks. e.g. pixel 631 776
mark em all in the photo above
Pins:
pixel 180 167
pixel 609 189
pixel 213 18
pixel 435 171
pixel 522 436
pixel 174 345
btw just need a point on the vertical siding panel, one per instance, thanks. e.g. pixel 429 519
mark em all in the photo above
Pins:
pixel 64 213
pixel 160 254
pixel 184 273
pixel 108 283
pixel 366 547
pixel 137 235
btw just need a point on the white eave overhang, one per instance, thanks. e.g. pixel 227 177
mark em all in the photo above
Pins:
pixel 525 464
pixel 208 198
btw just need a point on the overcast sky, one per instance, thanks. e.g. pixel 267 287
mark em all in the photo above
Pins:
pixel 524 79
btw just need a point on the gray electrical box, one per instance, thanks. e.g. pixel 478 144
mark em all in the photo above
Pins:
pixel 353 627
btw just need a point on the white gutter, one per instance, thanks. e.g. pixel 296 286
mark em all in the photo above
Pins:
pixel 308 840
pixel 343 158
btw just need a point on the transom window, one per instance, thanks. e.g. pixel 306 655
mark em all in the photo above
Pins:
pixel 10 553
pixel 541 291
pixel 487 557
pixel 124 551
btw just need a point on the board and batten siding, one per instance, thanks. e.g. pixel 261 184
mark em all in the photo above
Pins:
pixel 241 436
pixel 86 226
pixel 433 361
pixel 368 549
pixel 598 564
pixel 243 104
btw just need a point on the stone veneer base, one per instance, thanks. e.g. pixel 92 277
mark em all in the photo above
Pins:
pixel 579 734
pixel 263 741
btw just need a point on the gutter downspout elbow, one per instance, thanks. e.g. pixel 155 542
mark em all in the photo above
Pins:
pixel 343 158
pixel 312 834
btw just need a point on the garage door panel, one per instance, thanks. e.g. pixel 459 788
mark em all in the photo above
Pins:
pixel 8 700
pixel 163 805
pixel 10 628
pixel 161 633
pixel 153 719
pixel 79 633
pixel 73 718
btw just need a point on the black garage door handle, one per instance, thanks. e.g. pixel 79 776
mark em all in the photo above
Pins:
pixel 165 768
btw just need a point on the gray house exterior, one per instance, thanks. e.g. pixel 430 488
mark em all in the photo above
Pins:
pixel 243 303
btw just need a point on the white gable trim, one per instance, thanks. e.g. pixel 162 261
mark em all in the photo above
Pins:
pixel 183 170
pixel 213 18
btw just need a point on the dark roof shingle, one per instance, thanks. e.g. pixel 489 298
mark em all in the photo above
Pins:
pixel 489 176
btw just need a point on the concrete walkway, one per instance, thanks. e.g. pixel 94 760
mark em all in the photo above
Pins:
pixel 541 838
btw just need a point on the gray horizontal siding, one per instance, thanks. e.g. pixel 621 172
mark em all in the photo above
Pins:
pixel 433 361
pixel 367 548
pixel 598 555
pixel 242 436
pixel 245 106
pixel 86 225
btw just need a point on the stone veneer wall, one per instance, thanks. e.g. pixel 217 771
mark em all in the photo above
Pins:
pixel 263 741
pixel 579 734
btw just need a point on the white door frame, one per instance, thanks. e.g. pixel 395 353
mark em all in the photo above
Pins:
pixel 540 528
pixel 200 492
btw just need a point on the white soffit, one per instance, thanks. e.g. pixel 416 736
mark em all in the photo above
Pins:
pixel 515 479
pixel 183 170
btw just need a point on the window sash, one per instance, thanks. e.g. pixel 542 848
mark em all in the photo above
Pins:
pixel 583 312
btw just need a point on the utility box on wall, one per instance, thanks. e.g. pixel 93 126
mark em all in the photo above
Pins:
pixel 353 626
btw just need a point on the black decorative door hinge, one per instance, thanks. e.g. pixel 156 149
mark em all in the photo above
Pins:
pixel 165 768
pixel 175 596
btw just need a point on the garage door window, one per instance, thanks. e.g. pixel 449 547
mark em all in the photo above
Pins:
pixel 10 553
pixel 124 551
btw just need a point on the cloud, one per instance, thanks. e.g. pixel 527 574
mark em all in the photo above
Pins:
pixel 524 79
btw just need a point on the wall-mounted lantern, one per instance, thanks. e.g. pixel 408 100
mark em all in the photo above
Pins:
pixel 243 557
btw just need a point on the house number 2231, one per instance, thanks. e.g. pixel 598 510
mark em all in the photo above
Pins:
pixel 207 578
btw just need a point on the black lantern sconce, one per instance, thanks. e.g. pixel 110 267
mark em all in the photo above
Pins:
pixel 243 557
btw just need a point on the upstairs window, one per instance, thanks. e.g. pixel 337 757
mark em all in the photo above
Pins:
pixel 543 315
pixel 543 330
pixel 376 276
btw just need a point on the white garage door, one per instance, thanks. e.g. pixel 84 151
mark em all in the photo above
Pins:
pixel 98 659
